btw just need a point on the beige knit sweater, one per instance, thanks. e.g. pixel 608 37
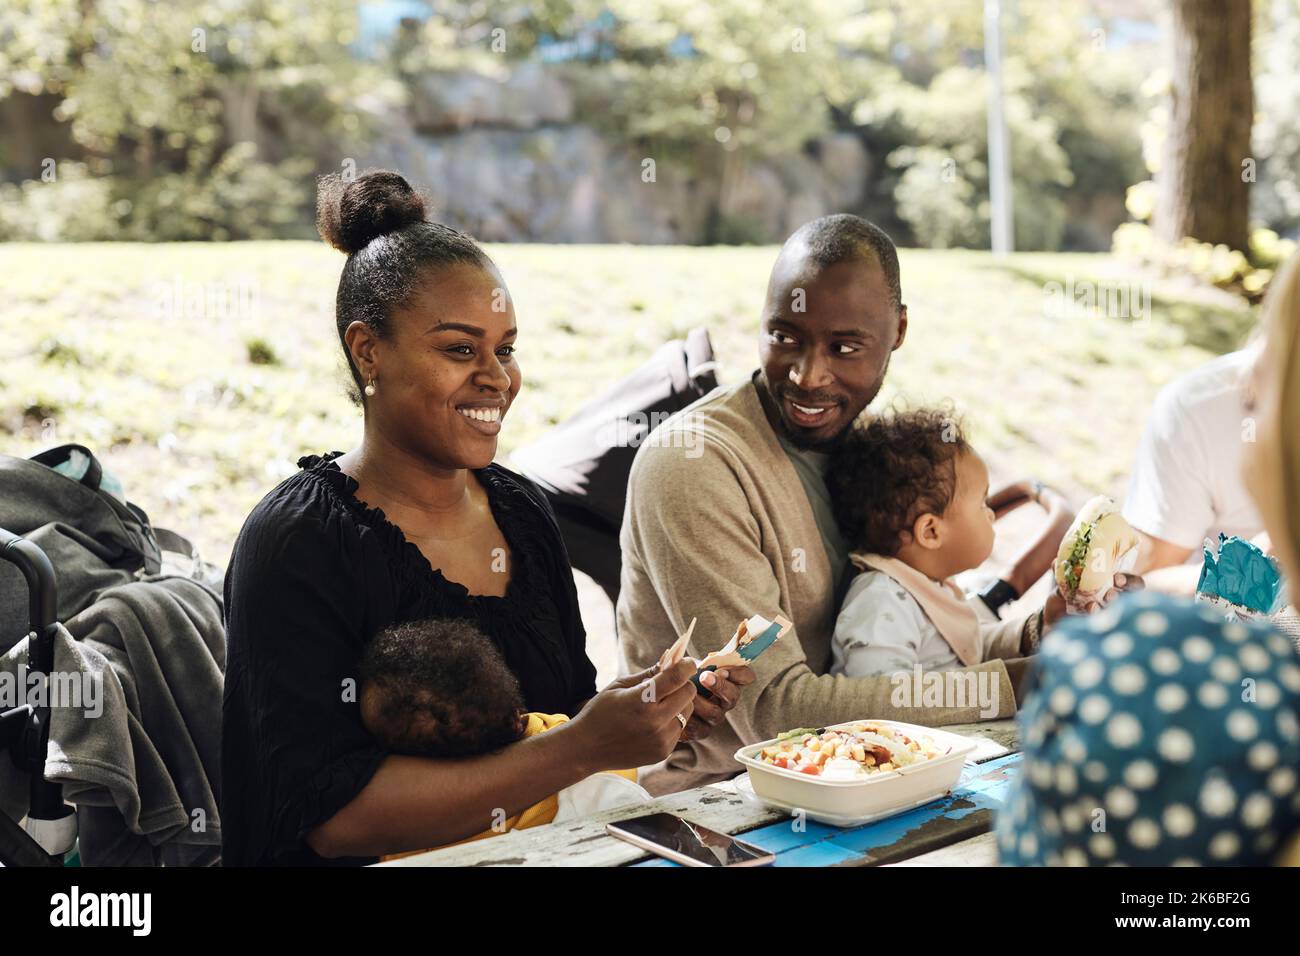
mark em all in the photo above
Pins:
pixel 717 527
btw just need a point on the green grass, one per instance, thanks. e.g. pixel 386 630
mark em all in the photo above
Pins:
pixel 201 410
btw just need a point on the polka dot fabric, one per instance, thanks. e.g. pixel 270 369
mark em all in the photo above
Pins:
pixel 1158 734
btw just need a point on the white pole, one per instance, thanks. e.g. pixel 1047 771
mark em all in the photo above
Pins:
pixel 1000 202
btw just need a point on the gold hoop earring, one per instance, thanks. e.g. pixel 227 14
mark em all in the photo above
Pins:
pixel 370 388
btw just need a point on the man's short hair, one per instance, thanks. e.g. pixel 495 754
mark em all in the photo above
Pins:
pixel 841 237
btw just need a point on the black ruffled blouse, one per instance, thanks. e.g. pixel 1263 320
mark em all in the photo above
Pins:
pixel 314 575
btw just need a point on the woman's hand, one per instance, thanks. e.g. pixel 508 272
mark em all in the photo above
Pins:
pixel 1121 583
pixel 634 721
pixel 724 686
pixel 1089 602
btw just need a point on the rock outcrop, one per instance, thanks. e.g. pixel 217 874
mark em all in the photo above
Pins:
pixel 508 158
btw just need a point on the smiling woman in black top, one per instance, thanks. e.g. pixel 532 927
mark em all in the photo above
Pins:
pixel 415 522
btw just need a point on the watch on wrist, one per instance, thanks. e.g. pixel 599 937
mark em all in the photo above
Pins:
pixel 997 594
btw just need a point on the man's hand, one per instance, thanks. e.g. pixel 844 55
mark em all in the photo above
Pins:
pixel 724 686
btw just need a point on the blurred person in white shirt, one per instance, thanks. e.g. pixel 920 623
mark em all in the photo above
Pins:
pixel 1186 483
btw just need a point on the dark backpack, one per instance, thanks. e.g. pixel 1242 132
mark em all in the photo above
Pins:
pixel 93 540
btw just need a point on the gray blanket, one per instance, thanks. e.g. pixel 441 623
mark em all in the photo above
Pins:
pixel 144 772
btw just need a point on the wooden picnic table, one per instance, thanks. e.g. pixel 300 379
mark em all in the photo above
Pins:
pixel 952 830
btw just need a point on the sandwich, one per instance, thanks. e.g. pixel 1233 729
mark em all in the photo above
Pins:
pixel 1091 552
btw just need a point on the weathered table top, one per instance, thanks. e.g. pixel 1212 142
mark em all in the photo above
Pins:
pixel 963 815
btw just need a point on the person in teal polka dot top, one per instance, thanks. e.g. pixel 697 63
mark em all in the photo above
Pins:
pixel 1159 732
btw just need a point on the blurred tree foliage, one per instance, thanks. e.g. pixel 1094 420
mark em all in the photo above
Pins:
pixel 168 103
pixel 724 84
pixel 219 142
pixel 732 82
pixel 1274 163
pixel 713 85
pixel 1071 105
pixel 1275 199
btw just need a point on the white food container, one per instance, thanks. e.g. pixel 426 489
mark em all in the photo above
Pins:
pixel 849 802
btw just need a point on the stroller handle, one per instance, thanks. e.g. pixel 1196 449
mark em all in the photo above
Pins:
pixel 42 592
pixel 29 747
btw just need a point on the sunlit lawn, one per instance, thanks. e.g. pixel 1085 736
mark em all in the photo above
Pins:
pixel 95 348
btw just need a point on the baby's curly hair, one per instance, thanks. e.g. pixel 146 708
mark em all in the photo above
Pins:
pixel 889 470
pixel 439 688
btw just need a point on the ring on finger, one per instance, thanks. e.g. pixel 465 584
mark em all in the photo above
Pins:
pixel 681 720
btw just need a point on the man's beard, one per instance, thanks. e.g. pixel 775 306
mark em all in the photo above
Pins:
pixel 800 437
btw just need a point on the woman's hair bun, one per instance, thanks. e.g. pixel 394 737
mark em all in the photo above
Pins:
pixel 351 213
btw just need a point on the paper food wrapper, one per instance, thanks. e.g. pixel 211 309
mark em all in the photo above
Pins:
pixel 678 650
pixel 1240 577
pixel 600 791
pixel 729 654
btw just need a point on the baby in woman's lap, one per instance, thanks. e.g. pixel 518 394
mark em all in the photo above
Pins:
pixel 441 689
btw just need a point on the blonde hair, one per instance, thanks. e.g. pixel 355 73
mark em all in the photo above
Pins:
pixel 1282 352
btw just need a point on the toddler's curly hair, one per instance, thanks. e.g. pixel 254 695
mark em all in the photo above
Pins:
pixel 439 688
pixel 889 470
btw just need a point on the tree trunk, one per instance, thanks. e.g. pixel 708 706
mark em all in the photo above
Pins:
pixel 1204 179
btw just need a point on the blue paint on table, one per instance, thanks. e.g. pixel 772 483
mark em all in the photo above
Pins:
pixel 965 812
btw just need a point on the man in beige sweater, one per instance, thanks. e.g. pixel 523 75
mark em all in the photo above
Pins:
pixel 727 511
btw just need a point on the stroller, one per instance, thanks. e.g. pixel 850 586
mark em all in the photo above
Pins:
pixel 50 829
